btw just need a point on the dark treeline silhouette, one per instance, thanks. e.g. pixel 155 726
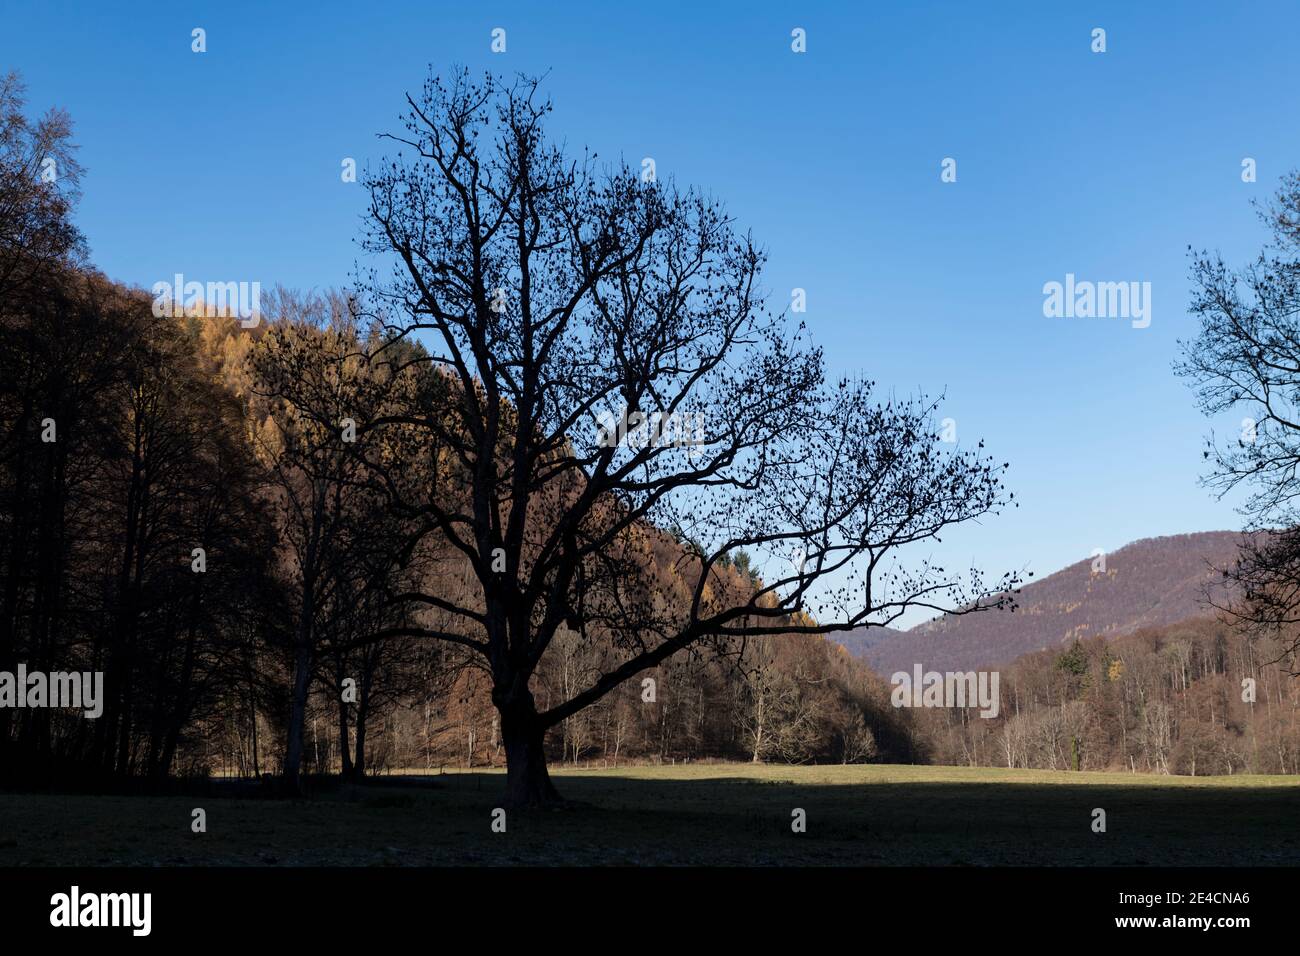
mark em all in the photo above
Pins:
pixel 119 452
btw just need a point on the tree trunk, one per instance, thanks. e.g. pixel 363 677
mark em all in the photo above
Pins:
pixel 363 718
pixel 528 784
pixel 252 710
pixel 181 712
pixel 304 656
pixel 13 572
pixel 297 720
pixel 345 741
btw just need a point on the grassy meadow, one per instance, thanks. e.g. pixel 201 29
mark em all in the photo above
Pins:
pixel 704 814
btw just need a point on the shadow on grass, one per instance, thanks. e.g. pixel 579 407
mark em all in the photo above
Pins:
pixel 639 820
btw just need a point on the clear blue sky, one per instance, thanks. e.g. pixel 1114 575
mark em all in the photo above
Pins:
pixel 226 165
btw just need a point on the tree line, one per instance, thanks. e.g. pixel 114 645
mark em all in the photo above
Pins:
pixel 1198 698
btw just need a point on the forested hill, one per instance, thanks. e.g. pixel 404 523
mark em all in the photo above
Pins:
pixel 1149 583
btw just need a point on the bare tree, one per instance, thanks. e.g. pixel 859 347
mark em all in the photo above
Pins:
pixel 612 370
pixel 313 372
pixel 1246 360
pixel 39 185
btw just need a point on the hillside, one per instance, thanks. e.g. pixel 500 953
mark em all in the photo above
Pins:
pixel 859 643
pixel 1151 582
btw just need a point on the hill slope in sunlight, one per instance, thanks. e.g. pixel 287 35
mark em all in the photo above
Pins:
pixel 1154 581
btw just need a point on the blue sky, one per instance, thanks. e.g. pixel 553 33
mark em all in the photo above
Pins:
pixel 226 165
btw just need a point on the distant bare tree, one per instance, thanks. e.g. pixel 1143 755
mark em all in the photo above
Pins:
pixel 1246 359
pixel 39 184
pixel 312 371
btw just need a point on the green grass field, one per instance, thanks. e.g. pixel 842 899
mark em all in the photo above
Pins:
pixel 724 814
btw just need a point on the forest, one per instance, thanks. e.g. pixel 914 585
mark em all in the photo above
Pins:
pixel 196 433
pixel 1196 698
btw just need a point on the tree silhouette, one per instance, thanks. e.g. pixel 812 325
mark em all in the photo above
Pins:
pixel 611 370
pixel 1246 359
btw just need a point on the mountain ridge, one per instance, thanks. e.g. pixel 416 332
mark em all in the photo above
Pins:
pixel 1148 582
